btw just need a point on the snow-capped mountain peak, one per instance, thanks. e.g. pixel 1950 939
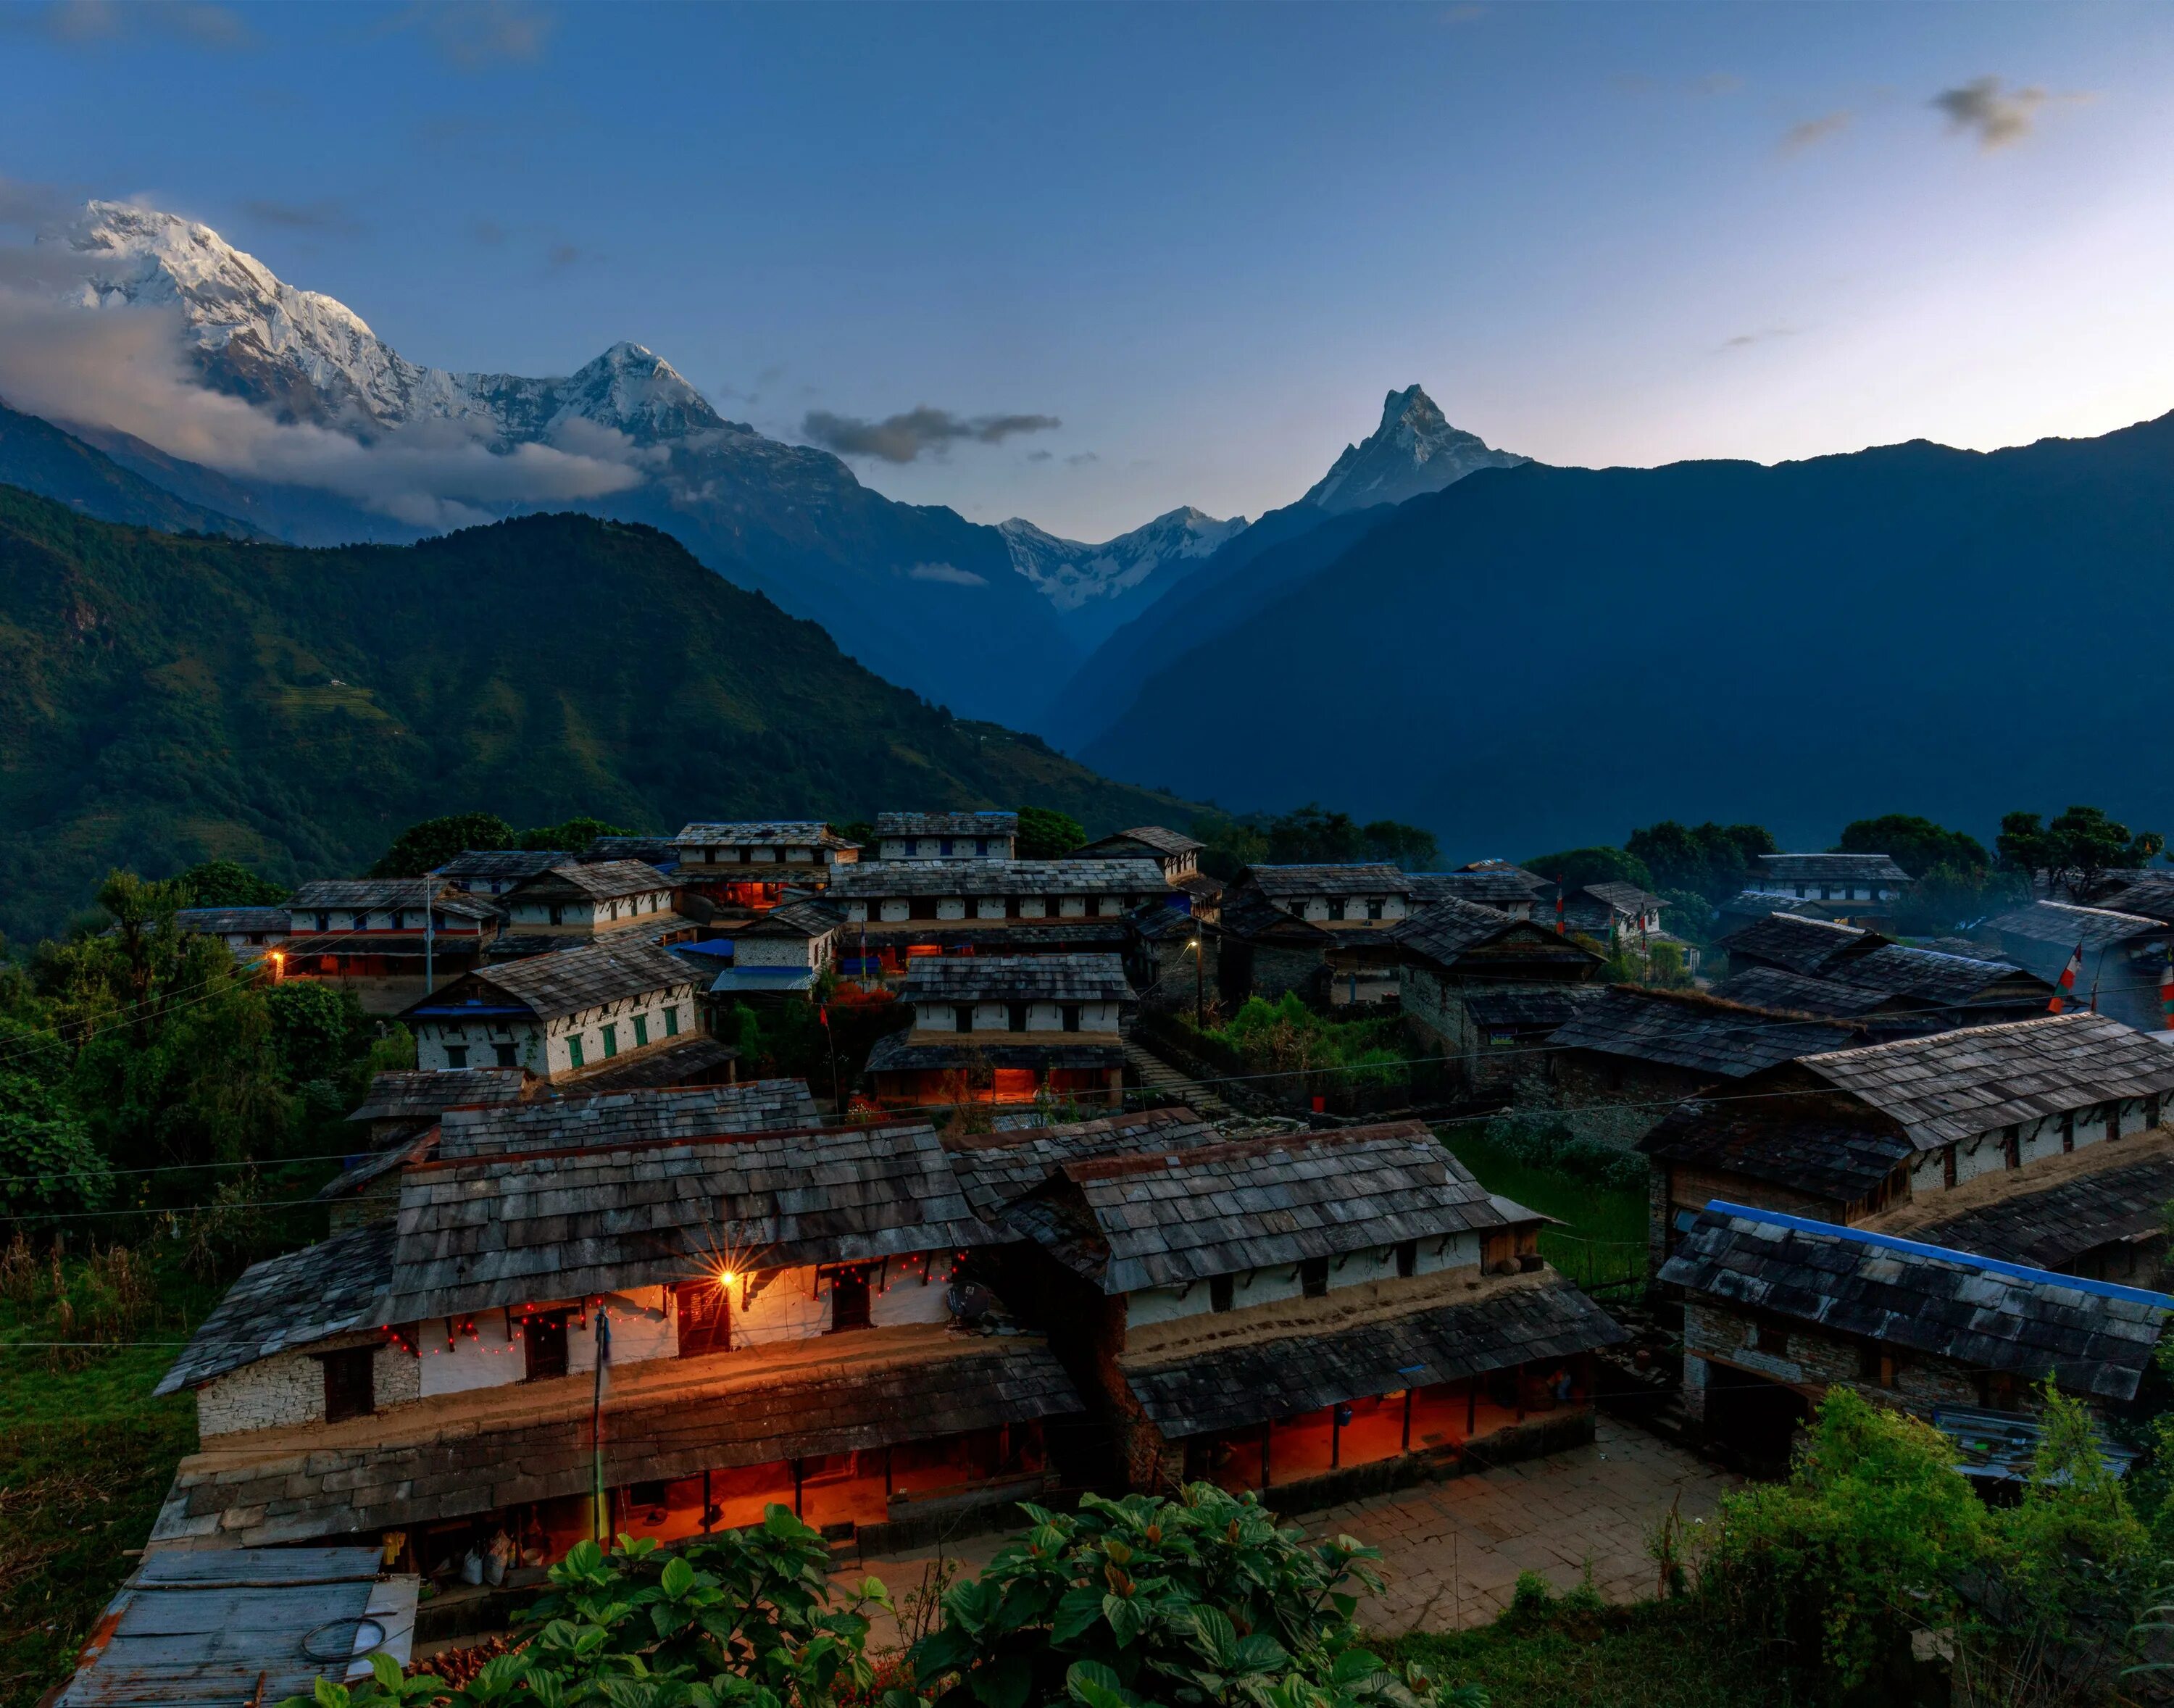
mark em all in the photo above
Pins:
pixel 1414 451
pixel 1073 575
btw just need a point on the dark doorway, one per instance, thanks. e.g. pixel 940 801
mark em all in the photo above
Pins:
pixel 544 1345
pixel 849 1299
pixel 705 1318
pixel 350 1383
pixel 1757 1418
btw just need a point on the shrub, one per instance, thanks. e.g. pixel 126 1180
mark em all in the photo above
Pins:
pixel 1552 1144
pixel 1199 1600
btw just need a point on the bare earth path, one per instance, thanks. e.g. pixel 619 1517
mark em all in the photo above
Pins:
pixel 1453 1550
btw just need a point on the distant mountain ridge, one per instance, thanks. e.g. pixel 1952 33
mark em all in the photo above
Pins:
pixel 1089 584
pixel 38 457
pixel 1413 451
pixel 164 700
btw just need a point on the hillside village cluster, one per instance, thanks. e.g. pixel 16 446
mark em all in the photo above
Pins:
pixel 1029 1257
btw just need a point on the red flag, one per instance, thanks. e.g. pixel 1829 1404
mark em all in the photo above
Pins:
pixel 1559 905
pixel 823 1013
pixel 2166 990
pixel 2068 981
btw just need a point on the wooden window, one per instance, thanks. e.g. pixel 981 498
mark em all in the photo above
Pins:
pixel 849 1299
pixel 506 1057
pixel 2011 1147
pixel 962 1018
pixel 2113 1119
pixel 1771 1338
pixel 1017 1020
pixel 1071 1014
pixel 456 1055
pixel 1313 1278
pixel 705 1318
pixel 350 1383
pixel 1221 1288
pixel 574 1048
pixel 611 1030
pixel 1374 906
pixel 2067 1133
pixel 1875 1364
pixel 641 1030
pixel 543 1346
pixel 1948 1168
pixel 1408 1258
pixel 672 1021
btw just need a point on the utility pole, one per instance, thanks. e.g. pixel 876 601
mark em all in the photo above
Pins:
pixel 1199 979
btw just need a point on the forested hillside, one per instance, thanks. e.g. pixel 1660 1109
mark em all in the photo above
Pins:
pixel 166 699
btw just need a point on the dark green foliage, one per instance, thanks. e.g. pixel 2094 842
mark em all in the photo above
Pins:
pixel 1539 1143
pixel 47 1160
pixel 424 847
pixel 228 884
pixel 318 1031
pixel 573 836
pixel 860 830
pixel 1916 845
pixel 1714 861
pixel 746 1618
pixel 2076 850
pixel 1404 847
pixel 1232 845
pixel 1199 1601
pixel 1045 834
pixel 164 702
pixel 1287 1037
pixel 1576 868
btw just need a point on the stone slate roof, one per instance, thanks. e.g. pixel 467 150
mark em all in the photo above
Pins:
pixel 2053 1227
pixel 802 919
pixel 1625 898
pixel 479 1234
pixel 1247 914
pixel 1816 1145
pixel 218 922
pixel 1299 883
pixel 875 879
pixel 2065 925
pixel 385 895
pixel 1935 977
pixel 1165 1220
pixel 1683 1029
pixel 1494 887
pixel 599 1121
pixel 1036 978
pixel 1154 836
pixel 1158 921
pixel 1231 1387
pixel 924 1052
pixel 1107 934
pixel 947 824
pixel 503 862
pixel 1981 1313
pixel 795 833
pixel 1544 1008
pixel 1796 945
pixel 410 1093
pixel 2151 896
pixel 567 981
pixel 1867 869
pixel 1951 1086
pixel 600 880
pixel 748 1414
pixel 287 1301
pixel 1000 1168
pixel 1770 987
pixel 1450 928
pixel 1757 903
pixel 653 850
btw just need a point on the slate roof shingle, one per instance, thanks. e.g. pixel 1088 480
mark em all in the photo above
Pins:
pixel 1681 1029
pixel 1164 841
pixel 1770 987
pixel 1796 945
pixel 503 862
pixel 1496 887
pixel 288 1301
pixel 773 833
pixel 403 1093
pixel 947 824
pixel 599 880
pixel 1980 1312
pixel 1036 978
pixel 2066 926
pixel 1870 870
pixel 567 981
pixel 219 921
pixel 872 880
pixel 1298 883
pixel 601 1120
pixel 1000 1168
pixel 2053 1227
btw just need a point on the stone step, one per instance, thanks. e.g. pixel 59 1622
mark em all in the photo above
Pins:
pixel 1155 1074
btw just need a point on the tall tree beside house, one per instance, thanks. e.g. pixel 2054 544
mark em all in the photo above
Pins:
pixel 1045 834
pixel 1714 861
pixel 1576 868
pixel 1231 845
pixel 228 884
pixel 2075 851
pixel 422 847
pixel 1915 844
pixel 573 834
pixel 1404 847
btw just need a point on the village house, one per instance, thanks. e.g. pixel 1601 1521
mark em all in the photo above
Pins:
pixel 1855 889
pixel 1749 907
pixel 619 1011
pixel 1318 1315
pixel 1457 959
pixel 749 865
pixel 660 851
pixel 1608 912
pixel 1508 889
pixel 1894 987
pixel 250 933
pixel 2151 894
pixel 782 953
pixel 1008 1029
pixel 494 871
pixel 1279 923
pixel 1780 1309
pixel 947 835
pixel 2125 955
pixel 896 911
pixel 573 901
pixel 1631 1054
pixel 1179 857
pixel 390 940
pixel 1175 960
pixel 782 1311
pixel 1843 1135
pixel 400 1114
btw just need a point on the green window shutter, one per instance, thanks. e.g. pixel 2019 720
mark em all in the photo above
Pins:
pixel 672 1021
pixel 641 1030
pixel 574 1048
pixel 611 1040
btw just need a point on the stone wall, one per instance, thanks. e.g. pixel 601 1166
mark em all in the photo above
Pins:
pixel 288 1388
pixel 1812 1359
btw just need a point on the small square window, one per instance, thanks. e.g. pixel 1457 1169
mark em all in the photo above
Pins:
pixel 456 1055
pixel 1313 1278
pixel 505 1056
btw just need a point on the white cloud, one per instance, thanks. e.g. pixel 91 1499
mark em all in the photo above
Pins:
pixel 950 574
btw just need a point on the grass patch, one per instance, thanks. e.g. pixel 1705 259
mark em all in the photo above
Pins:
pixel 86 1457
pixel 1649 1655
pixel 1605 1238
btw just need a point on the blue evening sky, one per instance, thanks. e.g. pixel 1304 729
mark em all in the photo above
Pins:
pixel 1206 238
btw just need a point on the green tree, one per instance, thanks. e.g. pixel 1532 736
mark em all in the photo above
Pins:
pixel 48 1161
pixel 2074 853
pixel 424 847
pixel 1576 868
pixel 1045 834
pixel 1405 846
pixel 571 835
pixel 1711 860
pixel 1200 1600
pixel 1916 845
pixel 1231 845
pixel 1311 835
pixel 228 884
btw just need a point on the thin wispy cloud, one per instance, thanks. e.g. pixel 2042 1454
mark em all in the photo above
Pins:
pixel 1812 132
pixel 949 574
pixel 1080 459
pixel 903 438
pixel 34 206
pixel 114 23
pixel 1996 115
pixel 1463 15
pixel 325 215
pixel 1718 82
pixel 1764 334
pixel 477 35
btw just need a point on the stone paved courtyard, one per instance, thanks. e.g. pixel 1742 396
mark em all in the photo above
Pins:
pixel 1453 1549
